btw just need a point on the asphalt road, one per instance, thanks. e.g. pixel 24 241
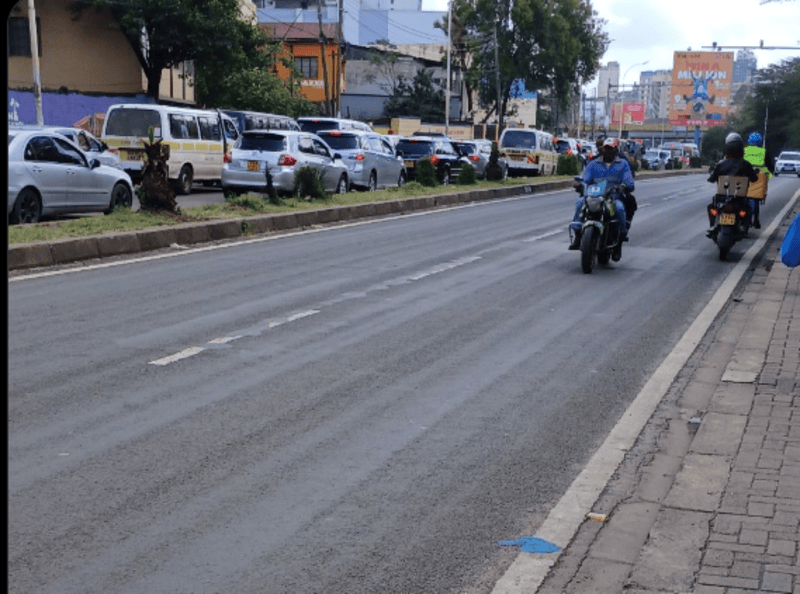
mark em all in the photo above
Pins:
pixel 366 408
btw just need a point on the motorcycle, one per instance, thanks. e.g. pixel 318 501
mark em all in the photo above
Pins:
pixel 730 212
pixel 600 232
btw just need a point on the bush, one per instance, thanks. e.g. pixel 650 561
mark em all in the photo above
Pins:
pixel 467 176
pixel 493 170
pixel 645 164
pixel 308 184
pixel 678 164
pixel 694 162
pixel 426 173
pixel 568 165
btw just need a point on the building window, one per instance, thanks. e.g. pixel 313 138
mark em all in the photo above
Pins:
pixel 307 67
pixel 19 36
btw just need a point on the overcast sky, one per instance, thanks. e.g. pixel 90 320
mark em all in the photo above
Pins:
pixel 652 30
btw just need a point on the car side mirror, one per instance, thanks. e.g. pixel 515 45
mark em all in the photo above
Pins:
pixel 399 154
pixel 104 146
pixel 337 156
pixel 94 164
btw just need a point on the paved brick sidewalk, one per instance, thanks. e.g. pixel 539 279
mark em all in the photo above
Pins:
pixel 714 507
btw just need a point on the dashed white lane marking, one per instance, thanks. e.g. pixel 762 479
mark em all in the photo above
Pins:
pixel 544 236
pixel 184 354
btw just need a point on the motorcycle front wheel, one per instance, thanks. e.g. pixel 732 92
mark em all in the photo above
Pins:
pixel 588 253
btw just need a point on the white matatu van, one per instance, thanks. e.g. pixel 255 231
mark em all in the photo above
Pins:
pixel 198 140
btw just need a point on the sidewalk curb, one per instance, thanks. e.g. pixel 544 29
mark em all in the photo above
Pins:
pixel 43 254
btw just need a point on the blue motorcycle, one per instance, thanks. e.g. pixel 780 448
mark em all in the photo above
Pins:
pixel 600 232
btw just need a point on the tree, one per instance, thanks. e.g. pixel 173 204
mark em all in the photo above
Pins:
pixel 419 98
pixel 774 106
pixel 551 45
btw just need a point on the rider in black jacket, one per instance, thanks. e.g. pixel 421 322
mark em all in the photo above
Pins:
pixel 733 164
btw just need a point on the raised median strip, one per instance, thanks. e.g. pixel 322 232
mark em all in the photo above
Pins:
pixel 64 251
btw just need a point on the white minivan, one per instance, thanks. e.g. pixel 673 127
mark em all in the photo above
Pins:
pixel 198 140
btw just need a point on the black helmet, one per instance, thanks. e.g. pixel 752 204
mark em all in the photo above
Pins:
pixel 734 145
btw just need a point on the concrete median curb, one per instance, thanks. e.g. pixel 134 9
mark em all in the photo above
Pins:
pixel 64 251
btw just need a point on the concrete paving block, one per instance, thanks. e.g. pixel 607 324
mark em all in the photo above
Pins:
pixel 261 224
pixel 622 537
pixel 29 256
pixel 734 399
pixel 719 434
pixel 75 250
pixel 671 556
pixel 114 245
pixel 363 211
pixel 328 215
pixel 700 483
pixel 191 234
pixel 225 229
pixel 155 239
pixel 282 222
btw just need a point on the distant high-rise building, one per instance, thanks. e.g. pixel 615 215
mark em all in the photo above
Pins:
pixel 608 80
pixel 744 66
pixel 654 92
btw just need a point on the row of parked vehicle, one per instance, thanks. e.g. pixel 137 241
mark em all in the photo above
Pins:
pixel 239 150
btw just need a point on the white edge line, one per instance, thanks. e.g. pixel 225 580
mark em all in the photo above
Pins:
pixel 527 572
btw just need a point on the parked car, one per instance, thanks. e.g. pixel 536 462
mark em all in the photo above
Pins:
pixel 281 153
pixel 477 153
pixel 371 160
pixel 91 145
pixel 788 162
pixel 528 151
pixel 49 174
pixel 441 151
pixel 657 158
pixel 314 125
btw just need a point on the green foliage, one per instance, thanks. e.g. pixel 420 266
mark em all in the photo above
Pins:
pixel 308 184
pixel 426 173
pixel 645 164
pixel 776 102
pixel 493 169
pixel 694 162
pixel 568 165
pixel 419 99
pixel 467 175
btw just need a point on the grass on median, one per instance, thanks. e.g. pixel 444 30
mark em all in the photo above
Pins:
pixel 124 219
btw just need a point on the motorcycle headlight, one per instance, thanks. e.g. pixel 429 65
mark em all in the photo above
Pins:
pixel 594 204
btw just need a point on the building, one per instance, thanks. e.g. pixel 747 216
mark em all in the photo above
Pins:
pixel 85 65
pixel 608 80
pixel 744 66
pixel 654 88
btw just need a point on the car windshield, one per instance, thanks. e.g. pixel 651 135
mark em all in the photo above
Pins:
pixel 789 157
pixel 272 143
pixel 519 139
pixel 466 149
pixel 133 122
pixel 339 141
pixel 562 146
pixel 315 126
pixel 412 148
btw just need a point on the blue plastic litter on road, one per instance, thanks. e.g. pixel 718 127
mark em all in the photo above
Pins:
pixel 531 544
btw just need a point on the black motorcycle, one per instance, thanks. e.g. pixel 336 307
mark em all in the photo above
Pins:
pixel 730 211
pixel 600 232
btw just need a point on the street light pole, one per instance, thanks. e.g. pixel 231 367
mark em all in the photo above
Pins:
pixel 622 85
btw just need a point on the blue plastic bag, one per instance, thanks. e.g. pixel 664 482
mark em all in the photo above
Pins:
pixel 790 248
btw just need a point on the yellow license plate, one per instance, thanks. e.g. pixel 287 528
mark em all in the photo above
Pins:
pixel 253 165
pixel 409 164
pixel 131 155
pixel 727 218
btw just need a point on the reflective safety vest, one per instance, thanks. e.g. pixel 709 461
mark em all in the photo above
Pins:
pixel 755 155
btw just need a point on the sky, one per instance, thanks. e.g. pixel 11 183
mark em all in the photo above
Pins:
pixel 652 30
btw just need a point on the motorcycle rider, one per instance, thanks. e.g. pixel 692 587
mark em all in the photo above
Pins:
pixel 733 164
pixel 758 156
pixel 615 169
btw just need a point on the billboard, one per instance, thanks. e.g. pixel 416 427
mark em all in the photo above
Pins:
pixel 701 88
pixel 632 113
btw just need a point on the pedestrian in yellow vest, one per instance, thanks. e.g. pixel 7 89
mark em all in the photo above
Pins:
pixel 757 156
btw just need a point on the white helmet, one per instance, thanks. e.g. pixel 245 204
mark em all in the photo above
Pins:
pixel 733 137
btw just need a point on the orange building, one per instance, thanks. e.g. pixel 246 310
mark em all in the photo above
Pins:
pixel 322 71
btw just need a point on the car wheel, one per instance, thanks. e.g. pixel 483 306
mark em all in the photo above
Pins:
pixel 342 187
pixel 120 197
pixel 27 208
pixel 373 182
pixel 185 179
pixel 401 181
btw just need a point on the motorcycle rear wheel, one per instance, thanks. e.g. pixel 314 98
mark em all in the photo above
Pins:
pixel 724 243
pixel 588 252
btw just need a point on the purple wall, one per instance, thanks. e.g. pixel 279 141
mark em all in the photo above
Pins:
pixel 61 109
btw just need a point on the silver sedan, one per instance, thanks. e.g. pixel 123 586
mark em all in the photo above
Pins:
pixel 281 154
pixel 477 153
pixel 49 174
pixel 371 159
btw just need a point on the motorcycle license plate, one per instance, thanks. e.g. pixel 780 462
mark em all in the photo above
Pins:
pixel 727 219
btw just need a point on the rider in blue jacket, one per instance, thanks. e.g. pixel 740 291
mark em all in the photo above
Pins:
pixel 613 168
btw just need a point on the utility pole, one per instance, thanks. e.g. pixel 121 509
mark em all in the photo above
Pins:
pixel 37 78
pixel 323 43
pixel 497 80
pixel 340 68
pixel 447 96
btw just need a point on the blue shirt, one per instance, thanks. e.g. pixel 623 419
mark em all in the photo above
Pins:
pixel 618 171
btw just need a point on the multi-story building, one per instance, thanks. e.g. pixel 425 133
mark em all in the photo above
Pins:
pixel 744 66
pixel 655 90
pixel 608 80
